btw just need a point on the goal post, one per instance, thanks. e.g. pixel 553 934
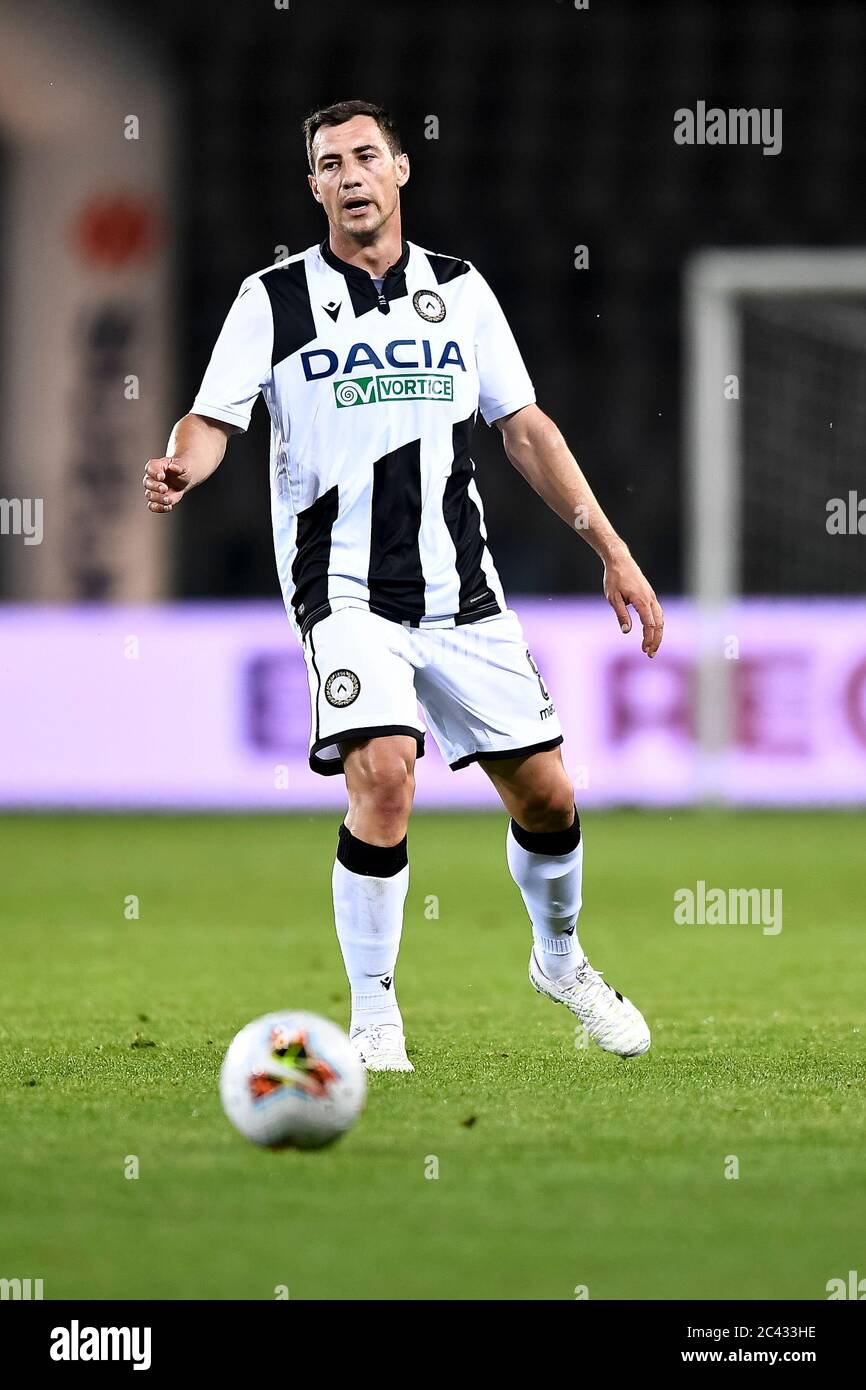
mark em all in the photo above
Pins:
pixel 774 355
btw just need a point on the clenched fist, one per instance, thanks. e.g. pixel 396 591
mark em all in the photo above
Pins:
pixel 165 481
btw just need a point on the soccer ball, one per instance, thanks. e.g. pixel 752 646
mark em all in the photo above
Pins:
pixel 292 1080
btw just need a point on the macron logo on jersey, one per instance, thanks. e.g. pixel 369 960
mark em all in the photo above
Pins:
pixel 408 354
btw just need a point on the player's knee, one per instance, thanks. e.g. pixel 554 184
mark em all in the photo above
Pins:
pixel 549 806
pixel 383 784
pixel 390 794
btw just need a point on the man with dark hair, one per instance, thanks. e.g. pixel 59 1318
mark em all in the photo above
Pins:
pixel 342 111
pixel 374 357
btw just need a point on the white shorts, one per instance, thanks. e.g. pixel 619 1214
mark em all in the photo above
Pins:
pixel 480 690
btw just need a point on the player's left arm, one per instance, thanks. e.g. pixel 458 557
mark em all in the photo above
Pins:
pixel 537 450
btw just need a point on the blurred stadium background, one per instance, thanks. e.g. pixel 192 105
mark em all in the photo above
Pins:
pixel 151 157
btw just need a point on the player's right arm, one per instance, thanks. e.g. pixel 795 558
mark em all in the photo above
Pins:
pixel 195 450
pixel 239 366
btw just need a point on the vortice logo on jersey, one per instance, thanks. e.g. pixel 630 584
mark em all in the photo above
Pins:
pixel 430 305
pixel 404 353
pixel 341 688
pixel 365 390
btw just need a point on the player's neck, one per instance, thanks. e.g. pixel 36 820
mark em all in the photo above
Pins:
pixel 375 257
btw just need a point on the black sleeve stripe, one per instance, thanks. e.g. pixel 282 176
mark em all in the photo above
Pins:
pixel 289 293
pixel 447 268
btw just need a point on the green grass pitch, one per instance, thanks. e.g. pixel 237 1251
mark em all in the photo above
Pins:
pixel 557 1167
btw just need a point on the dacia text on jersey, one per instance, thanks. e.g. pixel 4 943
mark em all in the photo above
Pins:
pixel 431 385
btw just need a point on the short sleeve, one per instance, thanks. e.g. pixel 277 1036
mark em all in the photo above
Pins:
pixel 241 360
pixel 504 383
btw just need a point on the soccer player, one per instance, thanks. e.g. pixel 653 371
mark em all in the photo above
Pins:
pixel 374 357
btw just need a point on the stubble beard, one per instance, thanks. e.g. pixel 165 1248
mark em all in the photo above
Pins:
pixel 366 236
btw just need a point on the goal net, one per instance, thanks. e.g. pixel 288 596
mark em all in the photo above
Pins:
pixel 775 445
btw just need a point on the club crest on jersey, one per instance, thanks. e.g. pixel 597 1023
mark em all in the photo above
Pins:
pixel 430 305
pixel 342 688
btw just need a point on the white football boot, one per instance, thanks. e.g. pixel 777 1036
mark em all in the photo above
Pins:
pixel 382 1047
pixel 610 1020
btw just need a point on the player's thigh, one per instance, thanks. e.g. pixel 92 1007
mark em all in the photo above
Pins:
pixel 482 693
pixel 535 789
pixel 361 686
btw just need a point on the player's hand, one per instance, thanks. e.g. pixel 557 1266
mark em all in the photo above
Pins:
pixel 624 585
pixel 165 481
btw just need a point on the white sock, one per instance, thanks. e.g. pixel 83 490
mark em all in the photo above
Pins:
pixel 548 870
pixel 370 883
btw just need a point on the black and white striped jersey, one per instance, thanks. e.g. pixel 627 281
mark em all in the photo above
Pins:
pixel 372 395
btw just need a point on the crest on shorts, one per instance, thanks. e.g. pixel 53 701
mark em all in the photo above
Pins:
pixel 430 305
pixel 341 688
